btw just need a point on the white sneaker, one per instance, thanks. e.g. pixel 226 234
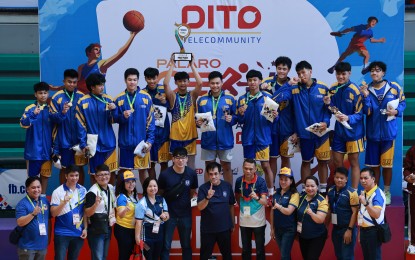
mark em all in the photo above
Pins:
pixel 388 197
pixel 411 250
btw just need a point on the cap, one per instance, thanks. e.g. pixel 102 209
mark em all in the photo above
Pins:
pixel 127 176
pixel 286 172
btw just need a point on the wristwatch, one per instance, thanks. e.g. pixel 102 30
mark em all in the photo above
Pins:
pixel 206 198
pixel 349 228
pixel 367 204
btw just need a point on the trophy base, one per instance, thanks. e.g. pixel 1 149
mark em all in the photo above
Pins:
pixel 182 56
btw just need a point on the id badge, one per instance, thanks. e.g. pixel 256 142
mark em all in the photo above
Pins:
pixel 247 211
pixel 76 218
pixel 360 219
pixel 112 219
pixel 42 229
pixel 299 227
pixel 334 218
pixel 156 227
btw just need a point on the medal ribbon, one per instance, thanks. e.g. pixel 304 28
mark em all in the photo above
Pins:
pixel 100 99
pixel 129 101
pixel 182 105
pixel 41 206
pixel 249 97
pixel 215 104
pixel 70 97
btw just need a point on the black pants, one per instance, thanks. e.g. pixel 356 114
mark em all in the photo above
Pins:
pixel 208 241
pixel 125 240
pixel 246 236
pixel 371 246
pixel 311 248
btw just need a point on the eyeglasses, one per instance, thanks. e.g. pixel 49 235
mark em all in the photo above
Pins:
pixel 180 157
pixel 103 175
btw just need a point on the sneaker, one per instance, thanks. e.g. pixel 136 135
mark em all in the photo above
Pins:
pixel 331 70
pixel 365 70
pixel 388 198
pixel 411 250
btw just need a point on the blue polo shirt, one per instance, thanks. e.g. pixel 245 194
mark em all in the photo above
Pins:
pixel 341 203
pixel 169 178
pixel 216 216
pixel 288 198
pixel 311 229
pixel 31 239
pixel 64 225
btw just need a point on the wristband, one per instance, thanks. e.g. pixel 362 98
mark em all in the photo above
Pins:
pixel 206 198
pixel 349 228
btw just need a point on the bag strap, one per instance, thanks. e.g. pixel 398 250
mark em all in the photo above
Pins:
pixel 375 222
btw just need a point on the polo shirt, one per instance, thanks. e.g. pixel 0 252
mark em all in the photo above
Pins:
pixel 64 220
pixel 150 214
pixel 216 216
pixel 31 238
pixel 128 221
pixel 257 210
pixel 341 203
pixel 180 207
pixel 288 198
pixel 311 229
pixel 376 198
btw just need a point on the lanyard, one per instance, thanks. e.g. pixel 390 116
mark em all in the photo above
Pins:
pixel 70 97
pixel 182 105
pixel 249 97
pixel 128 98
pixel 110 197
pixel 79 202
pixel 242 191
pixel 149 91
pixel 334 91
pixel 41 205
pixel 215 105
pixel 41 107
pixel 308 205
pixel 336 201
pixel 100 99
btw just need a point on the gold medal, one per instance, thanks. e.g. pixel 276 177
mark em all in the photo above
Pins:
pixel 132 110
pixel 41 107
pixel 214 117
pixel 69 104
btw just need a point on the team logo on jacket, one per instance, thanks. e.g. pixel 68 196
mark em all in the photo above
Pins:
pixel 187 182
pixel 224 194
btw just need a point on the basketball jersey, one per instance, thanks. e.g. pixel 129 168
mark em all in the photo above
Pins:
pixel 183 127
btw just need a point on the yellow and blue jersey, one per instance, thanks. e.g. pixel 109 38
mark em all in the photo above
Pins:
pixel 311 229
pixel 309 107
pixel 183 127
pixel 378 129
pixel 348 100
pixel 376 198
pixel 341 203
pixel 139 125
pixel 222 138
pixel 94 118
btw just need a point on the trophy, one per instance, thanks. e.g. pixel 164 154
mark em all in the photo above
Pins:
pixel 181 33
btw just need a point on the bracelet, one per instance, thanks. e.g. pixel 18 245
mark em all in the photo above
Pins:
pixel 206 198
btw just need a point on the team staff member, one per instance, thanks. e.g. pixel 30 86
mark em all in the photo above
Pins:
pixel 251 192
pixel 136 123
pixel 32 214
pixel 95 115
pixel 183 180
pixel 343 207
pixel 68 207
pixel 100 209
pixel 66 135
pixel 218 143
pixel 283 129
pixel 409 176
pixel 159 152
pixel 256 129
pixel 380 133
pixel 216 200
pixel 347 99
pixel 283 215
pixel 372 208
pixel 311 213
pixel 151 214
pixel 124 228
pixel 306 95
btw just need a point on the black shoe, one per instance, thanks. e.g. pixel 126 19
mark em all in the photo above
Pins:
pixel 331 70
pixel 365 70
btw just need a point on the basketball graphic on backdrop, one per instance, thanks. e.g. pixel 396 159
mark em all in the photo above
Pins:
pixel 133 21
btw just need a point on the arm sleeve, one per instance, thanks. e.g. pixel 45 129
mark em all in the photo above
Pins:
pixel 323 206
pixel 121 201
pixel 55 201
pixel 139 211
pixel 89 199
pixel 201 195
pixel 354 199
pixel 28 117
pixel 151 125
pixel 358 111
pixel 294 200
pixel 238 185
pixel 165 207
pixel 81 123
pixel 232 199
pixel 402 103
